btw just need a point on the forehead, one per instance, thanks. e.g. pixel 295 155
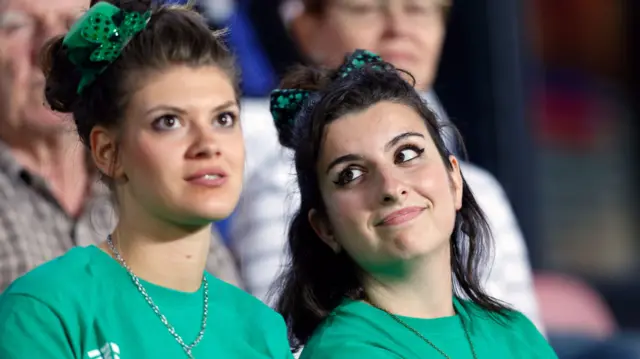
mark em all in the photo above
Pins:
pixel 372 128
pixel 182 85
pixel 45 6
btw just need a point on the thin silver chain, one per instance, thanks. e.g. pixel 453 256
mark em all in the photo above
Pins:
pixel 414 331
pixel 147 297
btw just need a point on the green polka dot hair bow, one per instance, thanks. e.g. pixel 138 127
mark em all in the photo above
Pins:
pixel 287 103
pixel 99 36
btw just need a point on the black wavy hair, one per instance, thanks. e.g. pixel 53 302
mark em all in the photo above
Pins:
pixel 317 280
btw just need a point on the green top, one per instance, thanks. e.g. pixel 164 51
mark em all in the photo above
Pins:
pixel 358 330
pixel 84 305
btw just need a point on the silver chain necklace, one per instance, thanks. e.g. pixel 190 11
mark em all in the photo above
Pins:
pixel 419 335
pixel 136 281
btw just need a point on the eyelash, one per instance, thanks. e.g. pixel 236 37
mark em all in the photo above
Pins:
pixel 219 117
pixel 159 122
pixel 342 181
pixel 418 150
pixel 233 116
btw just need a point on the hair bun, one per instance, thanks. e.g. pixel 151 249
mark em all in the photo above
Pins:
pixel 62 77
pixel 286 106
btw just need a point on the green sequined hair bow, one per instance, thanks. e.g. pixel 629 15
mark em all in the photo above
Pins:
pixel 287 103
pixel 99 36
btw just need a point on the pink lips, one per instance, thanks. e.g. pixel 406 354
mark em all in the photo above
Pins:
pixel 212 177
pixel 401 216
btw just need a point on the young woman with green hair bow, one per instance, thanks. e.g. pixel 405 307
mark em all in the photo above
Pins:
pixel 388 243
pixel 154 97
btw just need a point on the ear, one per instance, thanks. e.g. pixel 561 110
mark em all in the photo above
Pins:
pixel 323 229
pixel 104 151
pixel 456 181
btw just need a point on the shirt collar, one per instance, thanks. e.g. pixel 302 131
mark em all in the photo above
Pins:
pixel 10 166
pixel 8 163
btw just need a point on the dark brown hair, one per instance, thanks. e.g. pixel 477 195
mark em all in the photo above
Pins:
pixel 174 36
pixel 317 280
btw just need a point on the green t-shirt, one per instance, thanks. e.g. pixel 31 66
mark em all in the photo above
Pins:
pixel 358 330
pixel 84 305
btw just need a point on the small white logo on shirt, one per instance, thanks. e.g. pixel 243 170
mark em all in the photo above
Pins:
pixel 108 351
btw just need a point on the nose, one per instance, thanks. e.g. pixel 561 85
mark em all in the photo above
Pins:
pixel 392 189
pixel 395 19
pixel 205 144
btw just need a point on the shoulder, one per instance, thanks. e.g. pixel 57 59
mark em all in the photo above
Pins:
pixel 337 341
pixel 472 311
pixel 60 278
pixel 513 327
pixel 526 334
pixel 48 301
pixel 42 311
pixel 353 329
pixel 240 304
pixel 264 327
pixel 347 349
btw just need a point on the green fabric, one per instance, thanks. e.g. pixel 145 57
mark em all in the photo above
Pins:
pixel 286 103
pixel 77 304
pixel 358 330
pixel 98 37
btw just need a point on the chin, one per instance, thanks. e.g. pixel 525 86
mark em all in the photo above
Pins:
pixel 214 203
pixel 411 246
pixel 212 214
pixel 197 220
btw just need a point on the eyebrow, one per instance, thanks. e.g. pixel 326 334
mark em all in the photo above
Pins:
pixel 181 111
pixel 352 157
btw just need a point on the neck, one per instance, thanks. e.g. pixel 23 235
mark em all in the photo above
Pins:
pixel 422 289
pixel 161 253
pixel 60 159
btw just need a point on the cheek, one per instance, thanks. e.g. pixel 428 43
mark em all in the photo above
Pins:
pixel 346 212
pixel 446 202
pixel 145 156
pixel 233 151
pixel 19 47
pixel 436 186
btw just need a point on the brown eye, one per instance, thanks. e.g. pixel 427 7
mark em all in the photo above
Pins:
pixel 407 154
pixel 166 123
pixel 348 175
pixel 226 119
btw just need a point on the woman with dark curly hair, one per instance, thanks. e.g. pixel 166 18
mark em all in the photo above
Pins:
pixel 388 238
